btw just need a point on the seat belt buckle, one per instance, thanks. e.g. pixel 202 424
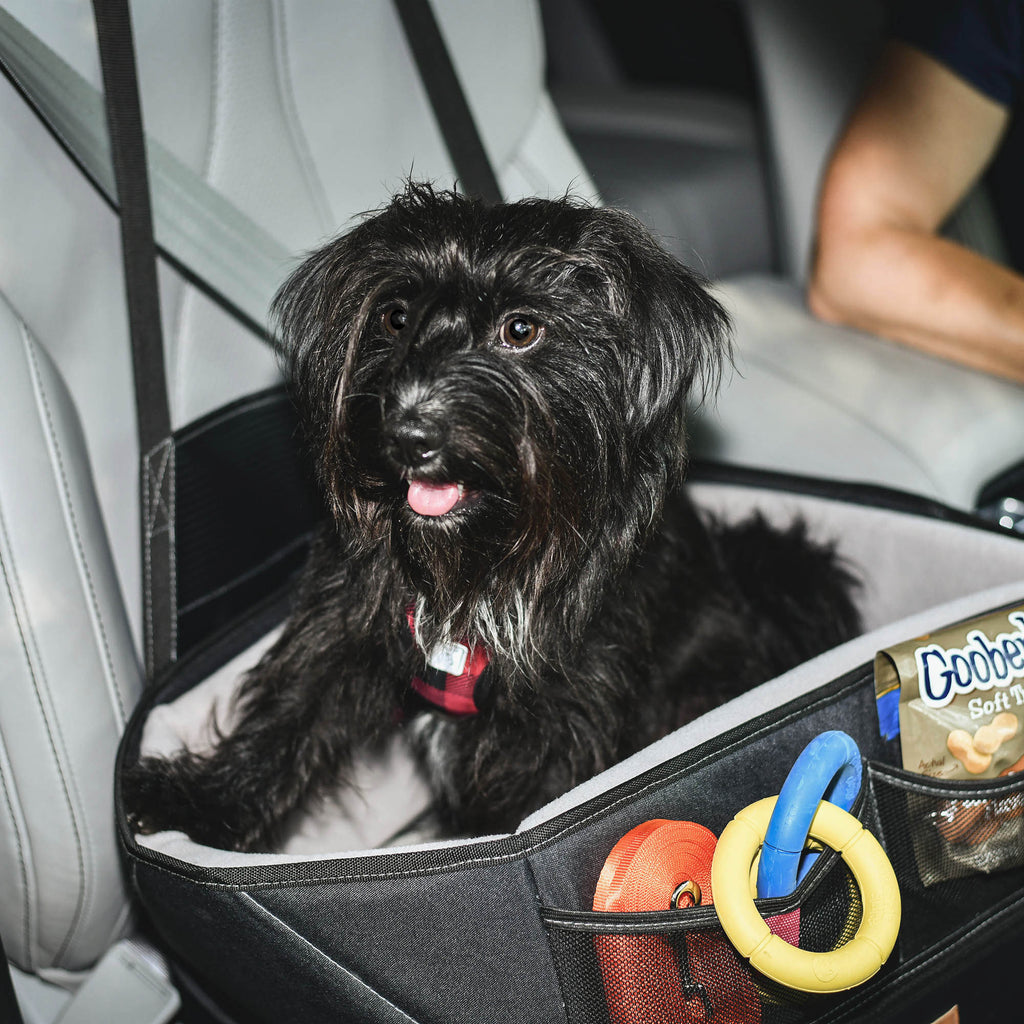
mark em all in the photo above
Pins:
pixel 129 985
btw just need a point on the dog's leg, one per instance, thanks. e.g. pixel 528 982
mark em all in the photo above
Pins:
pixel 328 686
pixel 239 795
pixel 294 739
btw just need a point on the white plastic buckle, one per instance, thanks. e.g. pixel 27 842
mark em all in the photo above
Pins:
pixel 129 985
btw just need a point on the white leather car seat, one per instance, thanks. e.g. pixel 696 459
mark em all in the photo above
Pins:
pixel 808 397
pixel 685 159
pixel 303 114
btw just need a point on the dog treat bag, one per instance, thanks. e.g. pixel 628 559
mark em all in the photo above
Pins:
pixel 959 697
pixel 956 700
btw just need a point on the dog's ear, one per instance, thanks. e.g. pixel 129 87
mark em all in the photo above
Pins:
pixel 323 308
pixel 321 314
pixel 679 332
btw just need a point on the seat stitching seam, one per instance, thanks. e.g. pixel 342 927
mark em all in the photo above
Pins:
pixel 28 645
pixel 22 870
pixel 76 533
pixel 186 303
pixel 68 780
pixel 293 121
pixel 156 501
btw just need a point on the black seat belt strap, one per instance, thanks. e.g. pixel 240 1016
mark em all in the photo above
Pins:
pixel 473 168
pixel 124 118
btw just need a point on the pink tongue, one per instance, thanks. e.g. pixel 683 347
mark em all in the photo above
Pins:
pixel 432 499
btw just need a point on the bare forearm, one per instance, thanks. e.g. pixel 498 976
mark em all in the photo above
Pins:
pixel 914 287
pixel 917 142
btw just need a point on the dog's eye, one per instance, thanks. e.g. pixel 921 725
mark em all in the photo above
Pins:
pixel 394 319
pixel 520 332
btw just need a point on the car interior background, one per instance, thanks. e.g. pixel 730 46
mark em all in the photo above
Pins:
pixel 711 121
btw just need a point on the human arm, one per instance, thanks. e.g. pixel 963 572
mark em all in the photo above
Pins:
pixel 915 145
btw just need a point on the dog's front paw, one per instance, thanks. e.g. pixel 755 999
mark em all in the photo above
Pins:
pixel 184 794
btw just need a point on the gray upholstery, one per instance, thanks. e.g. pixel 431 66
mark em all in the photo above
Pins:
pixel 268 100
pixel 811 59
pixel 687 162
pixel 807 397
pixel 68 670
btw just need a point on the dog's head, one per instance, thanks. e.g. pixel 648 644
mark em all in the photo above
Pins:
pixel 498 392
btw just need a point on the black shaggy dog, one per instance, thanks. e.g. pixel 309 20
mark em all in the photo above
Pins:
pixel 495 396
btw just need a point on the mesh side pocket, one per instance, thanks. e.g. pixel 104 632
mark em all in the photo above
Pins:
pixel 655 976
pixel 957 848
pixel 664 967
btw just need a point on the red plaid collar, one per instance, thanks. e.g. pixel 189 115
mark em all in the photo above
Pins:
pixel 451 674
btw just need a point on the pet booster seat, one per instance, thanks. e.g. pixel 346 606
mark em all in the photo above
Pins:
pixel 503 928
pixel 364 916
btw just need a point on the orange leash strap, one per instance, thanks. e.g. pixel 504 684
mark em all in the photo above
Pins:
pixel 667 978
pixel 650 861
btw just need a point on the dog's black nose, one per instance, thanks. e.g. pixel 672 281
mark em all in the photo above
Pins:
pixel 413 440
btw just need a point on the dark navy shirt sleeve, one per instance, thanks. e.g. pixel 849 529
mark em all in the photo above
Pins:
pixel 979 40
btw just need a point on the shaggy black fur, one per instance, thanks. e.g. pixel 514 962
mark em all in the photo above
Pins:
pixel 540 354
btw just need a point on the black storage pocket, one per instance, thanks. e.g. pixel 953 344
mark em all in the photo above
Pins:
pixel 957 849
pixel 653 968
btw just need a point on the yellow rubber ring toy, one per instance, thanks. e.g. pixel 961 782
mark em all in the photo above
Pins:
pixel 843 968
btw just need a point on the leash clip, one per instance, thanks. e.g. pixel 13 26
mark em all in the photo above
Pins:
pixel 688 888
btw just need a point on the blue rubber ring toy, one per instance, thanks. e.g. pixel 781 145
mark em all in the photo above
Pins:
pixel 828 768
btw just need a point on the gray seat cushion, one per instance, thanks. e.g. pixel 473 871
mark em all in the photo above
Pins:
pixel 828 401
